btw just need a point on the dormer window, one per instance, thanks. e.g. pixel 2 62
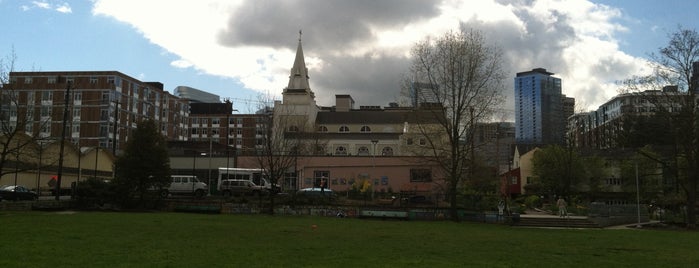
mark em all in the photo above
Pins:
pixel 387 151
pixel 365 129
pixel 363 151
pixel 293 129
pixel 344 129
pixel 322 129
pixel 340 150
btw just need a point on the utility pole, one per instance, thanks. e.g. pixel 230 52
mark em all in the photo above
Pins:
pixel 116 127
pixel 373 167
pixel 63 140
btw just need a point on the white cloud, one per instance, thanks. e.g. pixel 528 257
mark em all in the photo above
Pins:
pixel 181 64
pixel 64 8
pixel 362 51
pixel 42 4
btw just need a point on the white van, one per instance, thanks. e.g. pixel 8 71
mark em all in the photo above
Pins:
pixel 185 184
pixel 256 175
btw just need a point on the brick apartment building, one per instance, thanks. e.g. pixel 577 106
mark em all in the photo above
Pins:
pixel 103 107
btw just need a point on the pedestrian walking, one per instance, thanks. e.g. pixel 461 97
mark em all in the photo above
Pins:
pixel 561 203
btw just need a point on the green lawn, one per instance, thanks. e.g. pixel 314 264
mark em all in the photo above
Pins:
pixel 95 239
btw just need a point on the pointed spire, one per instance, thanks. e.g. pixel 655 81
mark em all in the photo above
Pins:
pixel 298 79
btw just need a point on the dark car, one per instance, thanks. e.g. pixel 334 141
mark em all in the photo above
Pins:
pixel 17 192
pixel 316 193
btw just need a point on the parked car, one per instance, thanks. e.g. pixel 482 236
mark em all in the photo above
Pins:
pixel 314 195
pixel 185 185
pixel 241 187
pixel 316 192
pixel 17 192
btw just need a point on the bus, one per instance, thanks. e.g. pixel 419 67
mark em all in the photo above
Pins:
pixel 257 176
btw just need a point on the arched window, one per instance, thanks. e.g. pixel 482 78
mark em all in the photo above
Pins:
pixel 387 151
pixel 365 129
pixel 340 150
pixel 293 129
pixel 363 151
pixel 344 129
pixel 322 129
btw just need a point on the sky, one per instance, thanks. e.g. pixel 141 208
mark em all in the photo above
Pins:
pixel 242 50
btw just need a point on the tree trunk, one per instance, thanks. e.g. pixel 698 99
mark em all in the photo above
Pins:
pixel 271 202
pixel 453 203
pixel 691 199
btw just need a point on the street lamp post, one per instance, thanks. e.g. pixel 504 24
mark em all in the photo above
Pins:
pixel 211 153
pixel 638 200
pixel 204 155
pixel 16 163
pixel 38 170
pixel 194 163
pixel 59 176
pixel 97 153
pixel 373 166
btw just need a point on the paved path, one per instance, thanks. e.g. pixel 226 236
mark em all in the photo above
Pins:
pixel 543 214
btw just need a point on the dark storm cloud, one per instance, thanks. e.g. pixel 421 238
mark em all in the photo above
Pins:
pixel 331 24
pixel 330 27
pixel 538 45
pixel 369 80
pixel 332 30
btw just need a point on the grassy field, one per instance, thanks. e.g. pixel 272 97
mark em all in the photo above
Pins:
pixel 96 239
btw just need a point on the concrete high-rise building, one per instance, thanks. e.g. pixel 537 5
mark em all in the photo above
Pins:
pixel 539 117
pixel 423 95
pixel 195 95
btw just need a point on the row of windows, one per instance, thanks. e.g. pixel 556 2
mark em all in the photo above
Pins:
pixel 216 131
pixel 52 80
pixel 322 178
pixel 363 150
pixel 216 121
pixel 341 129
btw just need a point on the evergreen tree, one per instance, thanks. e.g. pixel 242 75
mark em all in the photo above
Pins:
pixel 144 165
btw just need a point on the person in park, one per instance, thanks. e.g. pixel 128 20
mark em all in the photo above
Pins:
pixel 322 186
pixel 561 203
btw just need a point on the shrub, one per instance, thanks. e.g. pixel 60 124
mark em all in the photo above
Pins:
pixel 532 201
pixel 93 192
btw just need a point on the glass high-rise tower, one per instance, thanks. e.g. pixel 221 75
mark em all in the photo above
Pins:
pixel 539 117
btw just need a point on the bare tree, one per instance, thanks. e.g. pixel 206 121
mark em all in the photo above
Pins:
pixel 283 139
pixel 676 65
pixel 457 81
pixel 19 139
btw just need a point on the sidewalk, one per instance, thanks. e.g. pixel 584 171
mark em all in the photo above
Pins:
pixel 545 214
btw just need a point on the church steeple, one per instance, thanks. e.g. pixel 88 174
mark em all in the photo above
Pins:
pixel 298 78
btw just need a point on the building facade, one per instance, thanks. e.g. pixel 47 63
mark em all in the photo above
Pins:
pixel 103 107
pixel 539 117
pixel 494 144
pixel 599 129
pixel 343 129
